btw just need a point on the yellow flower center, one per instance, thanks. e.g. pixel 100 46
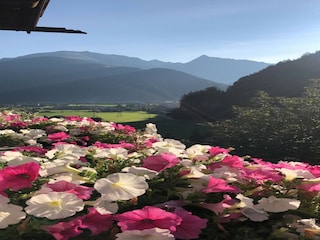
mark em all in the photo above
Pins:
pixel 56 204
pixel 117 185
pixel 3 215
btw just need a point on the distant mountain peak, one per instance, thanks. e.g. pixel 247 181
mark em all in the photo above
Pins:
pixel 204 57
pixel 219 70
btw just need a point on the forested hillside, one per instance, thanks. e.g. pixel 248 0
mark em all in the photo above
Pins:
pixel 287 79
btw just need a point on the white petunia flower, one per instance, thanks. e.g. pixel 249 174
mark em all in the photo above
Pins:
pixel 67 151
pixel 169 146
pixel 248 209
pixel 13 158
pixel 229 174
pixel 298 173
pixel 121 186
pixel 7 132
pixel 9 213
pixel 273 204
pixel 113 153
pixel 72 177
pixel 151 131
pixel 56 166
pixel 104 206
pixel 255 215
pixel 140 171
pixel 10 155
pixel 244 201
pixel 196 171
pixel 198 151
pixel 146 234
pixel 307 224
pixel 54 205
pixel 33 133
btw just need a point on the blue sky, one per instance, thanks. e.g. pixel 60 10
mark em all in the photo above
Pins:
pixel 176 30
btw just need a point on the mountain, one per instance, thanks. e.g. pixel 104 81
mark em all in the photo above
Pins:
pixel 221 70
pixel 43 78
pixel 287 79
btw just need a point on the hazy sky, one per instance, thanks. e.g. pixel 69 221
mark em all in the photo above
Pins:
pixel 176 30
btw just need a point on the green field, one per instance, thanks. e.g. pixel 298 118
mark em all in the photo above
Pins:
pixel 185 131
pixel 119 117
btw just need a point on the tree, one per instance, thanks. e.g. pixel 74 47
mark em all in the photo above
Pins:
pixel 274 128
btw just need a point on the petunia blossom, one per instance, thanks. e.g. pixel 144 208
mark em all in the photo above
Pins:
pixel 14 158
pixel 219 185
pixel 198 152
pixel 191 225
pixel 148 217
pixel 59 136
pixel 160 162
pixel 9 213
pixel 260 175
pixel 291 174
pixel 121 186
pixel 96 222
pixel 111 153
pixel 54 205
pixel 104 206
pixel 141 171
pixel 19 176
pixel 310 185
pixel 308 227
pixel 146 234
pixel 218 150
pixel 254 214
pixel 219 207
pixel 81 192
pixel 65 230
pixel 248 209
pixel 274 204
pixel 93 221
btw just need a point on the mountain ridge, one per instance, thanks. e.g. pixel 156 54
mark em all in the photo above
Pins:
pixel 58 80
pixel 214 68
pixel 284 79
pixel 86 77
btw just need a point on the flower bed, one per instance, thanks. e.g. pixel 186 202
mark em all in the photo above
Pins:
pixel 74 178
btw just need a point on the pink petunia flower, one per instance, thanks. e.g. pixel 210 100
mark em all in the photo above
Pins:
pixel 191 225
pixel 65 230
pixel 19 176
pixel 11 117
pixel 148 217
pixel 59 136
pixel 260 175
pixel 18 124
pixel 218 150
pixel 230 161
pixel 96 222
pixel 73 118
pixel 219 207
pixel 309 186
pixel 39 119
pixel 32 149
pixel 160 162
pixel 315 170
pixel 219 185
pixel 122 144
pixel 125 128
pixel 93 221
pixel 81 192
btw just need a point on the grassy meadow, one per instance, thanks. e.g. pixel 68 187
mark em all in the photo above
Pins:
pixel 186 131
pixel 119 117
